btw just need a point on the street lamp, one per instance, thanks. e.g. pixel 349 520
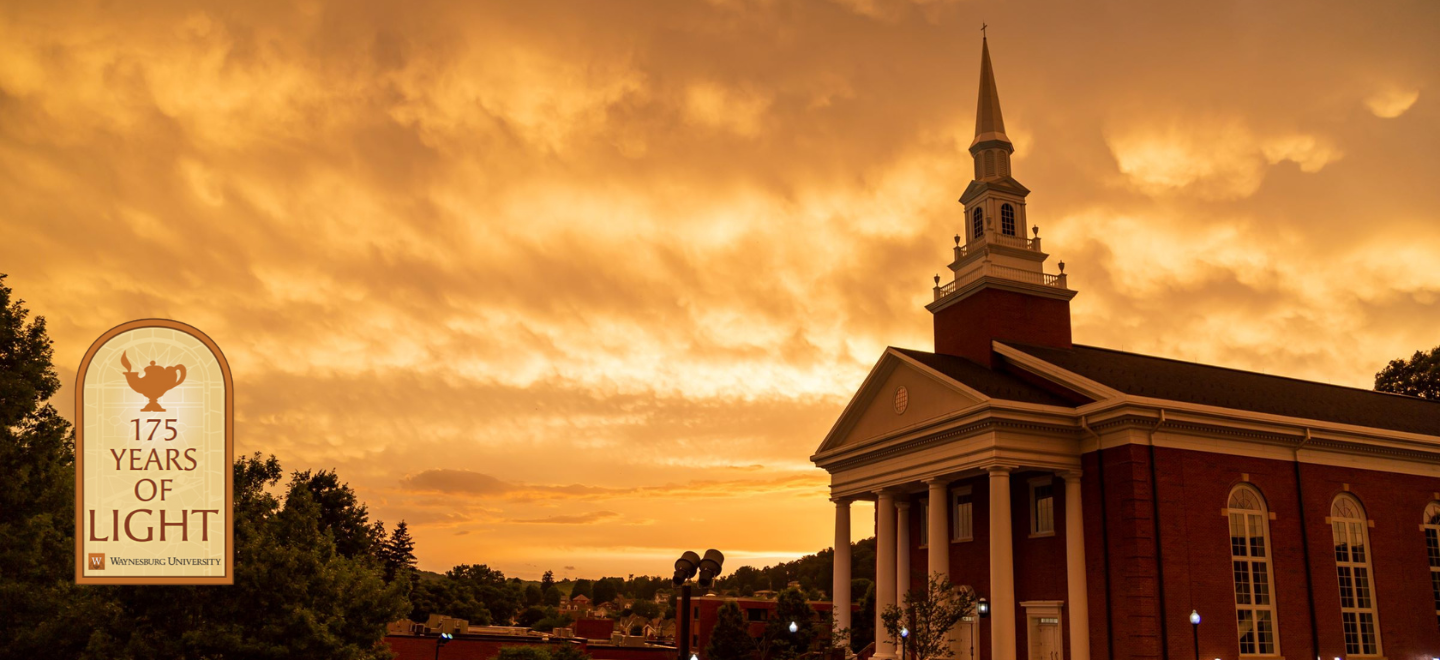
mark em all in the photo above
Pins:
pixel 686 567
pixel 794 627
pixel 1195 628
pixel 904 641
pixel 440 641
pixel 983 608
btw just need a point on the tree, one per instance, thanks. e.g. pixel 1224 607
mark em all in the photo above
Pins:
pixel 528 652
pixel 1418 376
pixel 583 588
pixel 862 625
pixel 530 617
pixel 547 581
pixel 398 551
pixel 729 640
pixel 341 513
pixel 605 590
pixel 552 596
pixel 37 499
pixel 294 593
pixel 791 607
pixel 648 609
pixel 565 651
pixel 929 614
pixel 533 595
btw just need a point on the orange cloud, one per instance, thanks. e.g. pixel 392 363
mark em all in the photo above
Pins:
pixel 548 256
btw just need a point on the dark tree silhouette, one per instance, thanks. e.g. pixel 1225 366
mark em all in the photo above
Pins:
pixel 728 639
pixel 1418 376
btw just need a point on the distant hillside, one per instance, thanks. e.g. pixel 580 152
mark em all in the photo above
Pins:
pixel 815 573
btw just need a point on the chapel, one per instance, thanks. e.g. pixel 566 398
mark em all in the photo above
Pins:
pixel 1107 504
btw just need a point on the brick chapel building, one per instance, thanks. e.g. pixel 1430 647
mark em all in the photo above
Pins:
pixel 1096 498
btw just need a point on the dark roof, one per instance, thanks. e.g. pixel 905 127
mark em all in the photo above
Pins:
pixel 994 384
pixel 1190 382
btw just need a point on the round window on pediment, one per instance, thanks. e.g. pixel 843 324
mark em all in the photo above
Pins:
pixel 902 400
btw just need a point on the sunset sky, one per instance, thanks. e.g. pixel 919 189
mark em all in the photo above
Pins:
pixel 579 286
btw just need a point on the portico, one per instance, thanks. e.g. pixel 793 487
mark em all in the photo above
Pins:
pixel 922 465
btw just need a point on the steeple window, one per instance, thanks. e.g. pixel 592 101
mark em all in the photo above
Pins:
pixel 977 224
pixel 1007 220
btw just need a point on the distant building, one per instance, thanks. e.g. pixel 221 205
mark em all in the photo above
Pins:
pixel 757 611
pixel 485 642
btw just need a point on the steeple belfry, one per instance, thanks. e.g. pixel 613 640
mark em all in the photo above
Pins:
pixel 1000 289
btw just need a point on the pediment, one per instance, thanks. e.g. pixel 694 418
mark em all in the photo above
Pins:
pixel 899 393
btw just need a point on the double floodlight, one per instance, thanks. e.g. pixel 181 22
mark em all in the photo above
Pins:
pixel 689 564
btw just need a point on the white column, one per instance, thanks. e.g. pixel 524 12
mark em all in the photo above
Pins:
pixel 1002 568
pixel 902 551
pixel 1075 569
pixel 840 591
pixel 938 528
pixel 884 571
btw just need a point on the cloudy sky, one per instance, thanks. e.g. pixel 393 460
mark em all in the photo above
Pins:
pixel 577 286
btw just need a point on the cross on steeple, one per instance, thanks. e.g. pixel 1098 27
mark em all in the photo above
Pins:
pixel 982 30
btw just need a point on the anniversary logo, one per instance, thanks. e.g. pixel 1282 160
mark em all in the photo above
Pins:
pixel 154 451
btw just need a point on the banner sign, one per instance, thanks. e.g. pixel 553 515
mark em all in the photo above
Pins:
pixel 154 457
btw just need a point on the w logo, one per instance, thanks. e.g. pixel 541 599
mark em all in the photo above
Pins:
pixel 97 561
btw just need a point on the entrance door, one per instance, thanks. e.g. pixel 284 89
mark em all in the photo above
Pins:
pixel 1044 634
pixel 963 643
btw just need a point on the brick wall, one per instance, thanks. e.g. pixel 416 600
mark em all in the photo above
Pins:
pixel 967 327
pixel 1194 554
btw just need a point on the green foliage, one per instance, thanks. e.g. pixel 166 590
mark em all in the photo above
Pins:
pixel 862 624
pixel 929 614
pixel 547 581
pixel 533 596
pixel 813 572
pixel 397 553
pixel 342 515
pixel 729 639
pixel 791 606
pixel 1418 376
pixel 40 601
pixel 523 653
pixel 552 621
pixel 583 588
pixel 474 592
pixel 565 651
pixel 530 616
pixel 295 594
pixel 646 608
pixel 606 590
pixel 552 596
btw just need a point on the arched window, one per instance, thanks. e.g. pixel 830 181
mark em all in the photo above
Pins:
pixel 1007 219
pixel 1250 560
pixel 1431 524
pixel 977 223
pixel 1352 563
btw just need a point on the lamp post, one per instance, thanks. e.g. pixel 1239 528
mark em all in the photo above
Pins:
pixel 982 607
pixel 441 641
pixel 904 641
pixel 1195 628
pixel 686 567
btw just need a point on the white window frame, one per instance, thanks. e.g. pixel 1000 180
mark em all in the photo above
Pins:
pixel 1430 525
pixel 962 526
pixel 1348 525
pixel 1247 569
pixel 1036 515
